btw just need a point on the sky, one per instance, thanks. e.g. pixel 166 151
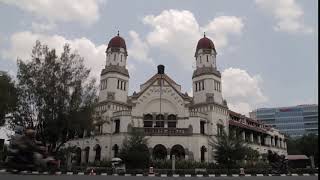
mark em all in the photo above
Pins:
pixel 267 49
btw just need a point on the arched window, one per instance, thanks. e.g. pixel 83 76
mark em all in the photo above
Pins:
pixel 147 120
pixel 147 117
pixel 203 151
pixel 160 120
pixel 114 58
pixel 172 123
pixel 178 151
pixel 172 117
pixel 160 117
pixel 115 149
pixel 207 58
pixel 98 152
pixel 159 152
pixel 78 156
pixel 87 151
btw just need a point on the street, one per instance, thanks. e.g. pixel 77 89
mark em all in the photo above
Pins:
pixel 85 177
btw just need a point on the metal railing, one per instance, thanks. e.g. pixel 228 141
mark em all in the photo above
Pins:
pixel 149 131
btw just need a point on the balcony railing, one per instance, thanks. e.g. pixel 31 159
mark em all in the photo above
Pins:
pixel 198 114
pixel 164 131
pixel 122 113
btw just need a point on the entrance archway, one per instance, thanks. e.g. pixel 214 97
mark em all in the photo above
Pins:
pixel 178 151
pixel 115 149
pixel 97 148
pixel 159 152
pixel 87 151
pixel 203 150
pixel 78 156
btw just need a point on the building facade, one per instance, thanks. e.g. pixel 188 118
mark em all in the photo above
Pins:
pixel 294 121
pixel 174 122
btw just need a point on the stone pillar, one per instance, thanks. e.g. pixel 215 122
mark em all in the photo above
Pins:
pixel 259 139
pixel 186 150
pixel 272 141
pixel 243 133
pixel 280 143
pixel 83 155
pixel 168 153
pixel 266 140
pixel 251 137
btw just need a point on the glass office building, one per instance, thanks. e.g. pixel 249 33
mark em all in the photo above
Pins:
pixel 294 121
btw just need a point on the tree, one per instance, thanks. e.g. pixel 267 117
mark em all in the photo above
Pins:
pixel 228 150
pixel 55 95
pixel 307 145
pixel 293 146
pixel 134 151
pixel 251 155
pixel 8 97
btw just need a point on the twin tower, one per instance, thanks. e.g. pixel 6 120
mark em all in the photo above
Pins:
pixel 206 78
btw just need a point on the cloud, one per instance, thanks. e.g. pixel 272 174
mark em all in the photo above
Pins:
pixel 241 90
pixel 131 67
pixel 177 32
pixel 21 44
pixel 43 27
pixel 86 11
pixel 138 49
pixel 223 26
pixel 288 15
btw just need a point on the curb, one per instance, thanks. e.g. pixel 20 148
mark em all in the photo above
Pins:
pixel 69 173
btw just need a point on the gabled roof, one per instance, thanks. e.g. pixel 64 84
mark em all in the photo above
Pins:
pixel 297 157
pixel 164 77
pixel 158 76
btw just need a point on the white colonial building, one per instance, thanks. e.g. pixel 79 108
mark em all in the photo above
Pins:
pixel 174 122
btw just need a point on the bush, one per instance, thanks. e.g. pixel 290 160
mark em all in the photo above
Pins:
pixel 303 171
pixel 183 164
pixel 135 152
pixel 101 164
pixel 223 171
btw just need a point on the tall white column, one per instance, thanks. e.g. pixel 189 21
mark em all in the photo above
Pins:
pixel 251 137
pixel 272 141
pixel 243 133
pixel 259 139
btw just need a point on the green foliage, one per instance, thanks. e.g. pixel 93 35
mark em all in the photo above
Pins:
pixel 307 145
pixel 8 96
pixel 55 95
pixel 3 153
pixel 134 151
pixel 252 156
pixel 63 153
pixel 183 164
pixel 106 164
pixel 228 150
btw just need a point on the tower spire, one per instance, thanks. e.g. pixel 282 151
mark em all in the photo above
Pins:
pixel 118 33
pixel 204 34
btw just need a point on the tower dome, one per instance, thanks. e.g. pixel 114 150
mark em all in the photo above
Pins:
pixel 205 43
pixel 117 42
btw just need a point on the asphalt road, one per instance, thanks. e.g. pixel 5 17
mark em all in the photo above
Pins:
pixel 77 177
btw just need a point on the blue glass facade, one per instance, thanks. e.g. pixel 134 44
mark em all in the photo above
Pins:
pixel 294 121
